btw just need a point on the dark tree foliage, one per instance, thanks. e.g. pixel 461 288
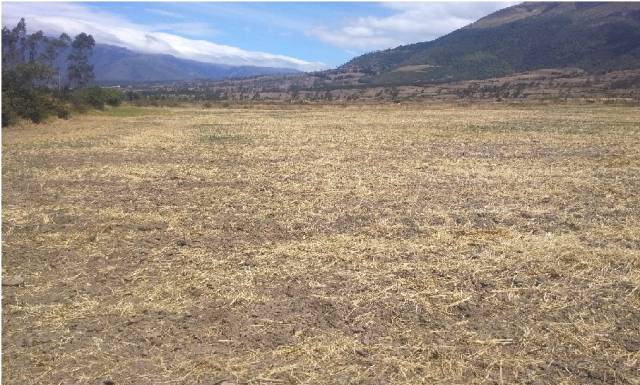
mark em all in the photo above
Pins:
pixel 53 49
pixel 21 99
pixel 96 97
pixel 80 72
pixel 33 84
pixel 33 42
pixel 13 43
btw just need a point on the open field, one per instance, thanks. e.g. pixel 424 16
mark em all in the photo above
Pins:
pixel 324 245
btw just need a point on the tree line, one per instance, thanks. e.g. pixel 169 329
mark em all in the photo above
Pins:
pixel 43 75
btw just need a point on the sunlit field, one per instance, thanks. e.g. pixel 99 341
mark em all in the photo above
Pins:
pixel 449 244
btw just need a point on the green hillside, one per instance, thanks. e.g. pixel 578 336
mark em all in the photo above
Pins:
pixel 529 36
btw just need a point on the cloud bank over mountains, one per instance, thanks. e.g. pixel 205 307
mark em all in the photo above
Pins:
pixel 408 23
pixel 329 32
pixel 55 18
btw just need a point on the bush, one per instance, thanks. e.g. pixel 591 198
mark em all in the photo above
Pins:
pixel 88 97
pixel 34 105
pixel 21 98
pixel 96 97
pixel 131 96
pixel 113 97
pixel 62 111
pixel 9 115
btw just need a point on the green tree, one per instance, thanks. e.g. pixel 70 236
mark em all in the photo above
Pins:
pixel 80 72
pixel 13 44
pixel 26 71
pixel 52 49
pixel 22 98
pixel 32 43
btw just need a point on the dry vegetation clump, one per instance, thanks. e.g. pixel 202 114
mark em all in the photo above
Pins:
pixel 324 245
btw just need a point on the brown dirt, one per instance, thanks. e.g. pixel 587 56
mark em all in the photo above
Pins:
pixel 324 245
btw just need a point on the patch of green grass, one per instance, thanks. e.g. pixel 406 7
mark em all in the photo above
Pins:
pixel 214 133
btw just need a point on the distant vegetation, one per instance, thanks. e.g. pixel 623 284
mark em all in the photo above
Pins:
pixel 596 37
pixel 531 51
pixel 43 76
pixel 557 51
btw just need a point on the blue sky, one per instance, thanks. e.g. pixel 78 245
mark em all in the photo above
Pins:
pixel 306 36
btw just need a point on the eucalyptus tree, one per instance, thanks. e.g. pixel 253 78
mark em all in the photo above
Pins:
pixel 80 71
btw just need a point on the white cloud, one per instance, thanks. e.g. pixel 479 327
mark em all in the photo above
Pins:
pixel 107 28
pixel 409 23
pixel 191 29
pixel 164 13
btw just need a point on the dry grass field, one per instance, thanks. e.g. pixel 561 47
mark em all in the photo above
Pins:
pixel 480 244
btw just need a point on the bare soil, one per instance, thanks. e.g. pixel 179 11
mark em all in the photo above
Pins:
pixel 323 245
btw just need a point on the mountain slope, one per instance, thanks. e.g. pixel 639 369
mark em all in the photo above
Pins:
pixel 525 37
pixel 117 64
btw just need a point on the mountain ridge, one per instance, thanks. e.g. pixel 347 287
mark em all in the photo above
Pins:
pixel 524 37
pixel 114 64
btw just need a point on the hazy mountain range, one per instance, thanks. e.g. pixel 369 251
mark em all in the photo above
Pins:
pixel 529 36
pixel 117 64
